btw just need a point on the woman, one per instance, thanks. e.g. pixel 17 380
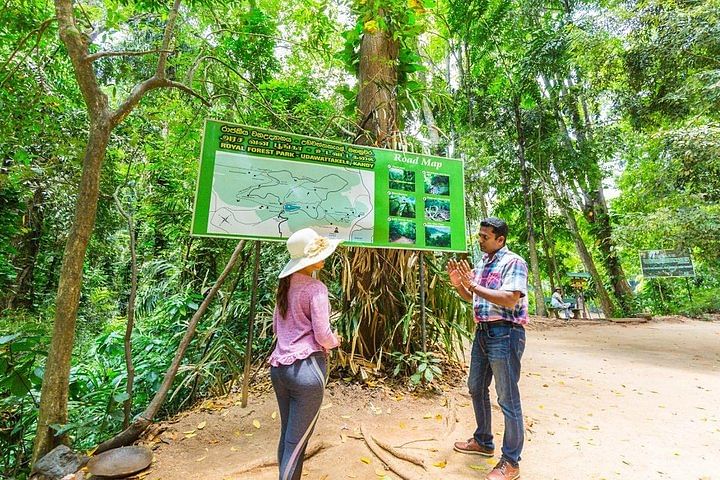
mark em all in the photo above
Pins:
pixel 301 323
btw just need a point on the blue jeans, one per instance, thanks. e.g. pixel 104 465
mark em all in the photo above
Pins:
pixel 496 352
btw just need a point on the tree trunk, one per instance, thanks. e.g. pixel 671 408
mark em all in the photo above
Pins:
pixel 377 96
pixel 595 208
pixel 127 407
pixel 605 302
pixel 54 392
pixel 28 247
pixel 527 200
pixel 550 260
pixel 596 211
pixel 597 214
pixel 133 432
pixel 429 117
pixel 369 289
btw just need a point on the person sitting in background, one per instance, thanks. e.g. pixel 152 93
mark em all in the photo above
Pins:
pixel 557 302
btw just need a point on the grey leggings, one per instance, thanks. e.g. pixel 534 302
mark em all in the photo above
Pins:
pixel 299 389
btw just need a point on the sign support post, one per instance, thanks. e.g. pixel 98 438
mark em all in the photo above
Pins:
pixel 251 323
pixel 421 259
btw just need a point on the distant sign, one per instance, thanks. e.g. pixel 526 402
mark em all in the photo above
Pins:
pixel 666 263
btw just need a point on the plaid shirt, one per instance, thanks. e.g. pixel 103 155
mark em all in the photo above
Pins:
pixel 505 271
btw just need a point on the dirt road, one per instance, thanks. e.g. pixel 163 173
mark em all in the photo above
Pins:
pixel 601 401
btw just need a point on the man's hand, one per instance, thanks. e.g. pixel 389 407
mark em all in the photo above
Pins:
pixel 460 272
pixel 455 275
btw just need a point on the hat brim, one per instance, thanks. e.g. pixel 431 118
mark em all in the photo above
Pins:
pixel 297 264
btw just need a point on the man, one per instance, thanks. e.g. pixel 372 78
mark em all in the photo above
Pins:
pixel 498 290
pixel 556 301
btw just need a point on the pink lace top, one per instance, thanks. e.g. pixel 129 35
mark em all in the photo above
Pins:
pixel 306 326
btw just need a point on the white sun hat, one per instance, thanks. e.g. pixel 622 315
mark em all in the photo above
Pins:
pixel 306 248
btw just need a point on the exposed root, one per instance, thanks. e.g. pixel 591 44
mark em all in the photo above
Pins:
pixel 380 453
pixel 416 441
pixel 400 454
pixel 266 462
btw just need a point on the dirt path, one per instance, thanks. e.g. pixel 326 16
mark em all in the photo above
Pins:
pixel 601 401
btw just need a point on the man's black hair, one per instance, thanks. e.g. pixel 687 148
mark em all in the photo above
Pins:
pixel 499 227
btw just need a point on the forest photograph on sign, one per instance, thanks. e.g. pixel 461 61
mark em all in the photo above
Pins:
pixel 262 184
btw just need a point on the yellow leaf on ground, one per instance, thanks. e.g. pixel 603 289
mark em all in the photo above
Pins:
pixel 442 464
pixel 479 468
pixel 189 432
pixel 403 425
pixel 201 425
pixel 190 435
pixel 248 434
pixel 438 417
pixel 256 423
pixel 274 415
pixel 427 415
pixel 490 461
pixel 365 460
pixel 233 449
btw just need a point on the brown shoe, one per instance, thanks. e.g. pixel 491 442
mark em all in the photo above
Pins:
pixel 471 446
pixel 503 471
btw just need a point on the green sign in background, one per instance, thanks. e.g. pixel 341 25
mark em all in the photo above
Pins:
pixel 262 184
pixel 666 263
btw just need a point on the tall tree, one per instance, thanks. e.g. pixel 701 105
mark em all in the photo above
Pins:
pixel 380 285
pixel 103 119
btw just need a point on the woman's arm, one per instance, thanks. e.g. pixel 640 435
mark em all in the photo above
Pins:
pixel 320 318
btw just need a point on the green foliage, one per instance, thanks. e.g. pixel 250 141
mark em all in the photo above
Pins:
pixel 20 382
pixel 252 47
pixel 600 87
pixel 421 367
pixel 672 61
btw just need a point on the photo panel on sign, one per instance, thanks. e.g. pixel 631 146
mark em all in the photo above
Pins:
pixel 401 205
pixel 402 231
pixel 401 179
pixel 436 184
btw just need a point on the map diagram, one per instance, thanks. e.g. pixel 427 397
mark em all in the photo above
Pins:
pixel 273 198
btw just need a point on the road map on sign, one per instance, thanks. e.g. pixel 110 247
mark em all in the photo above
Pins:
pixel 274 198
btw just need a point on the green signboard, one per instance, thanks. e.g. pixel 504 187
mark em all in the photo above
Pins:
pixel 262 184
pixel 666 263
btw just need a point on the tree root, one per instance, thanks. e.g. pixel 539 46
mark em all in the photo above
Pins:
pixel 380 453
pixel 420 462
pixel 272 461
pixel 416 441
